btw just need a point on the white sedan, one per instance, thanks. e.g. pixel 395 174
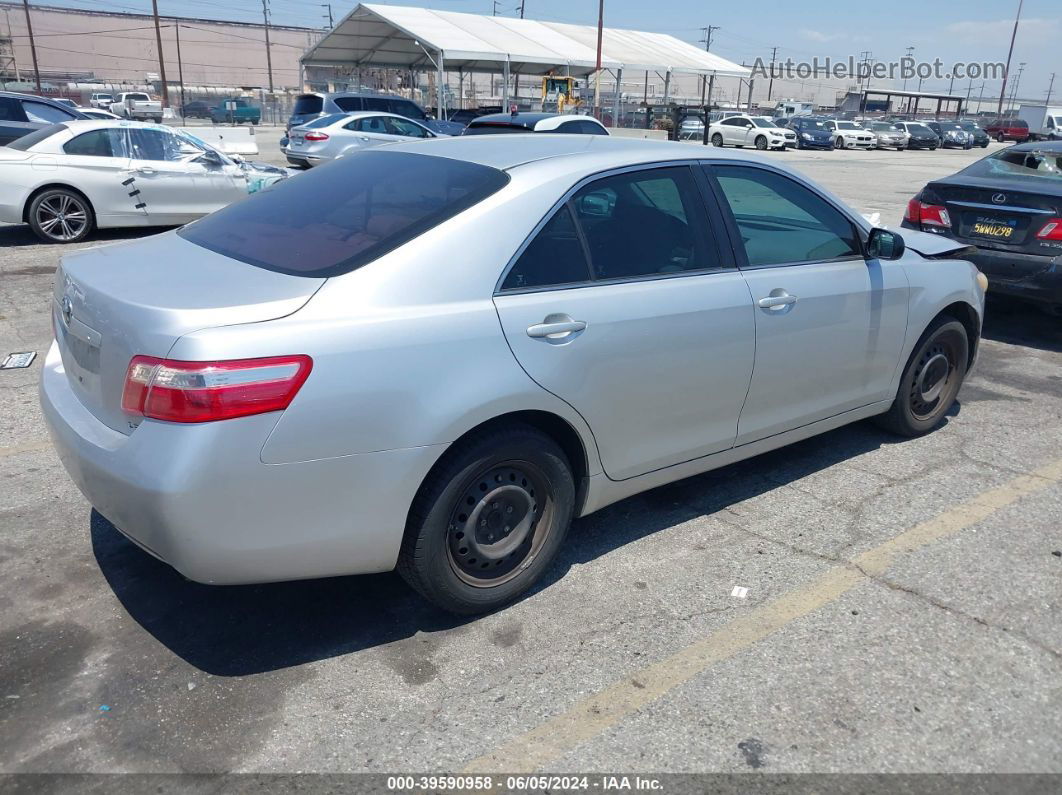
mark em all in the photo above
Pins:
pixel 68 179
pixel 333 136
pixel 849 135
pixel 750 131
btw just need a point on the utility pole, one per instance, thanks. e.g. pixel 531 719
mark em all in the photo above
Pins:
pixel 910 52
pixel 597 74
pixel 331 23
pixel 494 13
pixel 770 85
pixel 33 46
pixel 707 32
pixel 1010 52
pixel 162 61
pixel 521 9
pixel 1017 82
pixel 1050 88
pixel 269 55
pixel 180 72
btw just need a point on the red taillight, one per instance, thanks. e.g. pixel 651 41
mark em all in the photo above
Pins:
pixel 175 391
pixel 316 136
pixel 1052 230
pixel 918 212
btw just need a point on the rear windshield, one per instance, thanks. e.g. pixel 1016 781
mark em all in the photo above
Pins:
pixel 1037 164
pixel 35 137
pixel 339 217
pixel 307 103
pixel 493 128
pixel 138 97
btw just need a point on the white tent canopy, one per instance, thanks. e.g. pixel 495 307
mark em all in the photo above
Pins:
pixel 404 37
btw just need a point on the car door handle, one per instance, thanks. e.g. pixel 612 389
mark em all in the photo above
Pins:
pixel 556 327
pixel 773 301
pixel 144 170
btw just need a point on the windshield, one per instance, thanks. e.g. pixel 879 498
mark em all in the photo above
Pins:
pixel 969 126
pixel 815 125
pixel 763 123
pixel 949 125
pixel 324 121
pixel 335 219
pixel 918 128
pixel 884 127
pixel 848 125
pixel 1035 165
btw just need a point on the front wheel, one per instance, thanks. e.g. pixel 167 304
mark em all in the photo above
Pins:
pixel 839 143
pixel 717 140
pixel 761 143
pixel 60 215
pixel 489 520
pixel 931 379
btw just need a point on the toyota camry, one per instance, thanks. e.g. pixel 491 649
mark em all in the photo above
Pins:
pixel 433 356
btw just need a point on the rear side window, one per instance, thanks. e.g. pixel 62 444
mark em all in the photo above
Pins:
pixel 377 103
pixel 35 137
pixel 10 110
pixel 347 103
pixel 493 128
pixel 340 217
pixel 555 257
pixel 306 104
pixel 41 113
pixel 403 107
pixel 98 143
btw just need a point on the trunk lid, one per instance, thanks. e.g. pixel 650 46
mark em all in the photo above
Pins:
pixel 113 302
pixel 985 215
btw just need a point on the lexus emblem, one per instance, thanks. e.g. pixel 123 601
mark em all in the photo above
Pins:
pixel 1000 198
pixel 68 310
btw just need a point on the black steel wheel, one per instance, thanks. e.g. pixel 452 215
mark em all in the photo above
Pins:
pixel 60 215
pixel 488 519
pixel 931 380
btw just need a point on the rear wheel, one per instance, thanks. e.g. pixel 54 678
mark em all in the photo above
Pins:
pixel 931 379
pixel 489 521
pixel 60 215
pixel 717 140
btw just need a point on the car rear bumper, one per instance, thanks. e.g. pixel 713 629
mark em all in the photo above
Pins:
pixel 1028 276
pixel 198 496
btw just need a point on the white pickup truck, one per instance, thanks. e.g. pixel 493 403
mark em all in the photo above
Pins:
pixel 137 105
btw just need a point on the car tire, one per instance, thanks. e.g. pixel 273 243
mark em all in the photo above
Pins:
pixel 933 148
pixel 60 215
pixel 1000 138
pixel 761 142
pixel 839 143
pixel 458 551
pixel 157 120
pixel 930 381
pixel 717 140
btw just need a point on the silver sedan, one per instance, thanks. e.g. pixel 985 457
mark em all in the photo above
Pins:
pixel 340 134
pixel 433 356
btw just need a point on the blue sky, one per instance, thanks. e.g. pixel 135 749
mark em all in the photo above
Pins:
pixel 973 30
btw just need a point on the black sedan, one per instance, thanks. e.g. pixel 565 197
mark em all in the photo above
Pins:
pixel 980 137
pixel 1008 207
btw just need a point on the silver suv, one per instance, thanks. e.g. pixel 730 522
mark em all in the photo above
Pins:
pixel 314 105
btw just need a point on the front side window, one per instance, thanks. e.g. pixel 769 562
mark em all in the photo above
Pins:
pixel 644 223
pixel 45 114
pixel 98 143
pixel 781 221
pixel 554 257
pixel 332 220
pixel 368 124
pixel 405 127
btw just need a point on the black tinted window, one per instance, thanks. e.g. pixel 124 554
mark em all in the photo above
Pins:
pixel 35 137
pixel 41 113
pixel 644 223
pixel 554 257
pixel 306 104
pixel 348 103
pixel 346 214
pixel 10 110
pixel 403 107
pixel 377 103
pixel 781 221
pixel 493 128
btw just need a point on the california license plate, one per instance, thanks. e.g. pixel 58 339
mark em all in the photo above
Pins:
pixel 995 230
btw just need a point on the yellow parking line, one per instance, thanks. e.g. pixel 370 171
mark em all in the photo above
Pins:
pixel 28 447
pixel 594 714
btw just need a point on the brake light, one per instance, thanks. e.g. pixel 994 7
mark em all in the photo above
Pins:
pixel 1052 230
pixel 176 391
pixel 918 212
pixel 316 136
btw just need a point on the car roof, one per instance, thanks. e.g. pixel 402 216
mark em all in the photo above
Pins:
pixel 604 151
pixel 1038 146
pixel 528 120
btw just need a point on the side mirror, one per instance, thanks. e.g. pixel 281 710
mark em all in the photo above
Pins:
pixel 883 244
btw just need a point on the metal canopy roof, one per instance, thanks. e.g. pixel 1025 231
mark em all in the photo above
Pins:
pixel 412 38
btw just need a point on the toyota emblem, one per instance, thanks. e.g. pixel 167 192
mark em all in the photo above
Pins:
pixel 1000 198
pixel 68 310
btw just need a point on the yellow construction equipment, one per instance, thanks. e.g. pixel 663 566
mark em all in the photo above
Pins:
pixel 558 93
